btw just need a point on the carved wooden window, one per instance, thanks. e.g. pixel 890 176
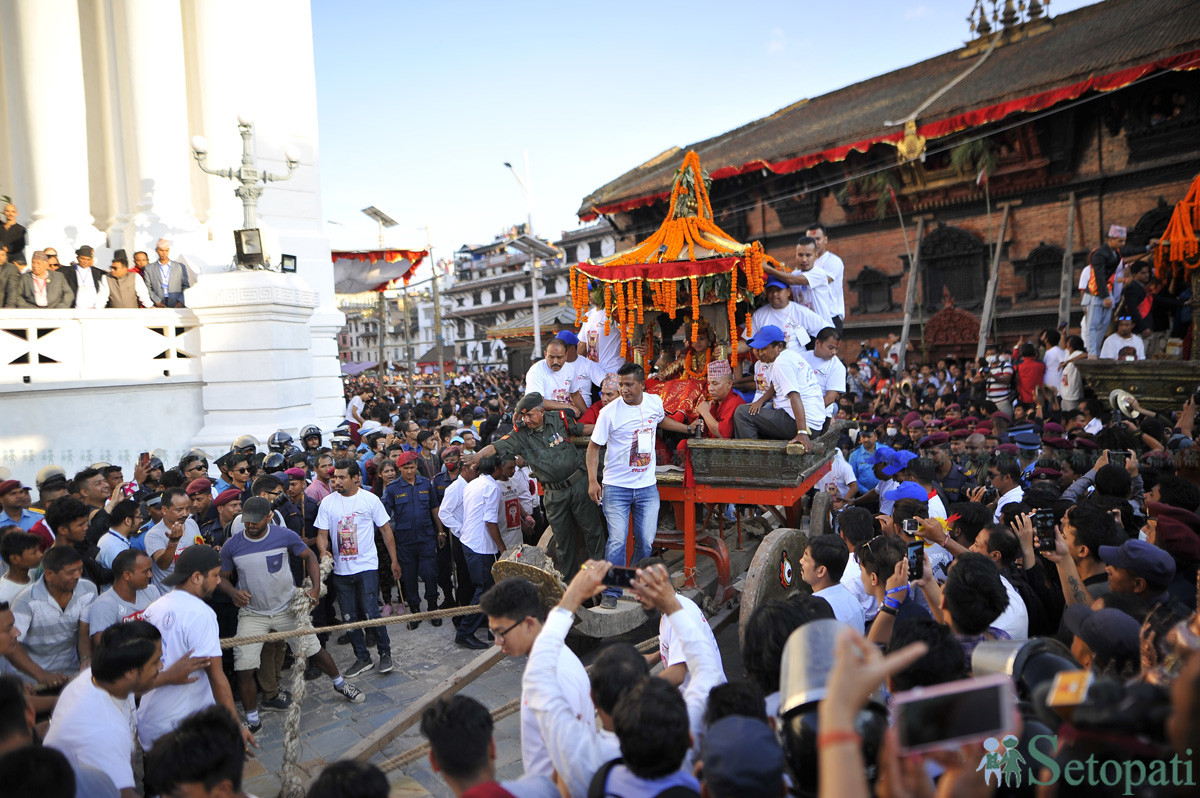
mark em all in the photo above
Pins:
pixel 955 260
pixel 874 291
pixel 1042 271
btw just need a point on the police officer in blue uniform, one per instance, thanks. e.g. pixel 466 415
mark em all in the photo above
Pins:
pixel 411 500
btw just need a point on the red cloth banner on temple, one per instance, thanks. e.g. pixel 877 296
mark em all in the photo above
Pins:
pixel 358 271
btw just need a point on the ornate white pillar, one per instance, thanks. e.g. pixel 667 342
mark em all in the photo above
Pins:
pixel 153 117
pixel 46 92
pixel 256 354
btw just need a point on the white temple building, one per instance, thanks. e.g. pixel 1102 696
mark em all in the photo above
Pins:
pixel 99 100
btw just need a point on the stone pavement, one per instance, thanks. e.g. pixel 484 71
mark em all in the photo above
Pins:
pixel 423 658
pixel 330 725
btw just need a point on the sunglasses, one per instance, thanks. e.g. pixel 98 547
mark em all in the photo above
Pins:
pixel 242 470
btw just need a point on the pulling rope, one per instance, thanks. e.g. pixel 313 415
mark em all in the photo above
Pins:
pixel 449 612
pixel 415 753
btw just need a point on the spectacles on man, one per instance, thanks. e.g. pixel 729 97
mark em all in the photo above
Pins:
pixel 197 466
pixel 500 635
pixel 242 470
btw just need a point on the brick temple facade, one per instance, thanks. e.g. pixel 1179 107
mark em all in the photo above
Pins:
pixel 1073 107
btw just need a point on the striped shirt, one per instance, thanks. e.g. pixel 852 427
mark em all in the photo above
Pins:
pixel 50 633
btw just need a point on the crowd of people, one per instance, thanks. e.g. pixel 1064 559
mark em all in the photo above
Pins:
pixel 43 281
pixel 990 516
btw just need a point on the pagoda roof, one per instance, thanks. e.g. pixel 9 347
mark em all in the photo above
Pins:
pixel 1037 65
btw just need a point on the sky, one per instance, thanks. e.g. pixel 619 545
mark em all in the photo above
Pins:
pixel 420 104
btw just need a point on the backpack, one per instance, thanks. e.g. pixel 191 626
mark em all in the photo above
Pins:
pixel 597 788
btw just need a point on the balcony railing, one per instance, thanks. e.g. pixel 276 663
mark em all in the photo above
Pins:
pixel 56 346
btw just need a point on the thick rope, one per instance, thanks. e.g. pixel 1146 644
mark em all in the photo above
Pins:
pixel 291 780
pixel 449 612
pixel 413 754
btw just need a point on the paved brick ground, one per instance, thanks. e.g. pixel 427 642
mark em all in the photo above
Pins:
pixel 423 658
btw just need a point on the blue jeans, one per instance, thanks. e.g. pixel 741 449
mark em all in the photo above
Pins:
pixel 621 505
pixel 1096 323
pixel 358 599
pixel 480 568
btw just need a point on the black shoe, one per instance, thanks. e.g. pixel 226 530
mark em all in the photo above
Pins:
pixel 470 641
pixel 312 672
pixel 280 701
pixel 413 625
pixel 344 640
pixel 435 622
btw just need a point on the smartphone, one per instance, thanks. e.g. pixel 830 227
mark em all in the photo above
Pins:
pixel 620 577
pixel 1043 530
pixel 1069 688
pixel 916 561
pixel 955 713
pixel 144 459
pixel 1119 457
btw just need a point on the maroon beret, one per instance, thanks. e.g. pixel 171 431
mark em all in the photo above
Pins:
pixel 226 496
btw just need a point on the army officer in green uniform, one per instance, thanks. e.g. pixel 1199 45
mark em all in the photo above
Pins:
pixel 544 440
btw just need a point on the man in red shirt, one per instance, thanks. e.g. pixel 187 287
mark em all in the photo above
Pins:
pixel 1030 372
pixel 608 392
pixel 718 413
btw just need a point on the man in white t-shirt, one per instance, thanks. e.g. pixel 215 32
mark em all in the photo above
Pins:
pixel 515 616
pixel 600 348
pixel 833 267
pixel 554 378
pixel 821 567
pixel 129 597
pixel 355 409
pixel 811 286
pixel 481 542
pixel 517 502
pixel 587 373
pixel 670 652
pixel 188 627
pixel 1054 357
pixel 1123 344
pixel 799 324
pixel 796 403
pixel 346 523
pixel 93 721
pixel 627 426
pixel 171 536
pixel 829 369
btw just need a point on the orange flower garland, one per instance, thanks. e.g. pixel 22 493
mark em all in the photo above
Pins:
pixel 702 237
pixel 731 312
pixel 607 306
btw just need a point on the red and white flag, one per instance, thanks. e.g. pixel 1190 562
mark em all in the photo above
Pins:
pixel 982 177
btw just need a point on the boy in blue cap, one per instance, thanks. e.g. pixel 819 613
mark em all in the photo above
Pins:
pixel 793 405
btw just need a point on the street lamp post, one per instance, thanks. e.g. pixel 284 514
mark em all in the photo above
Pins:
pixel 537 321
pixel 251 178
pixel 386 221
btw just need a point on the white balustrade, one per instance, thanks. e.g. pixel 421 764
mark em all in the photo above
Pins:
pixel 52 347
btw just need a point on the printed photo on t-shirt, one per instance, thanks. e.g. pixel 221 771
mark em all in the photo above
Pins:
pixel 347 537
pixel 642 448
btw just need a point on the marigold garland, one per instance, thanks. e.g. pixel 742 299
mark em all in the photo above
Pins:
pixel 702 238
pixel 607 306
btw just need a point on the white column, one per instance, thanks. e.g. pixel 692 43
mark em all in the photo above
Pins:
pixel 48 96
pixel 153 116
pixel 256 354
